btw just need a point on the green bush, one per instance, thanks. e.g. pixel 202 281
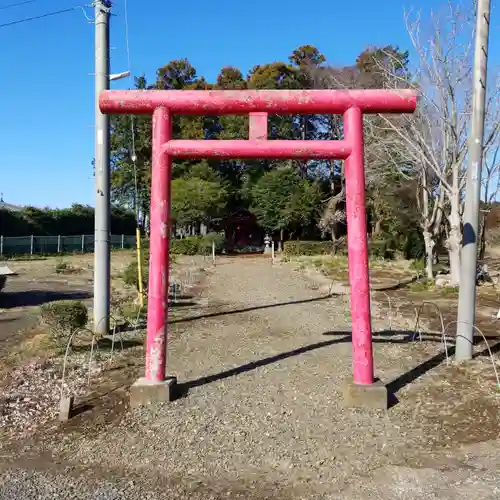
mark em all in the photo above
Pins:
pixel 185 246
pixel 129 275
pixel 296 248
pixel 418 265
pixel 64 318
pixel 77 220
pixel 205 244
pixel 65 268
pixel 413 246
pixel 388 246
pixel 379 248
pixel 197 245
pixel 382 249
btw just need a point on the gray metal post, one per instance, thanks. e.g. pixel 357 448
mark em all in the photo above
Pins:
pixel 1 244
pixel 32 244
pixel 467 294
pixel 102 257
pixel 58 243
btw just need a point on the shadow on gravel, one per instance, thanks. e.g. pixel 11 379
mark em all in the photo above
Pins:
pixel 28 298
pixel 181 297
pixel 106 344
pixel 397 286
pixel 176 304
pixel 254 308
pixel 393 387
pixel 9 319
pixel 253 365
pixel 410 376
pixel 495 348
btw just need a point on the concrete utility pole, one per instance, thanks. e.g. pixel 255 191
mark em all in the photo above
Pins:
pixel 102 259
pixel 467 295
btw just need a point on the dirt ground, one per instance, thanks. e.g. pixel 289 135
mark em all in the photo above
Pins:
pixel 260 352
pixel 36 282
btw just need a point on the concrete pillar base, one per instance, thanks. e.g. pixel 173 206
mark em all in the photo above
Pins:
pixel 373 396
pixel 143 392
pixel 66 408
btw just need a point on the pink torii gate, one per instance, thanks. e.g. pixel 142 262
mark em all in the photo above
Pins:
pixel 164 104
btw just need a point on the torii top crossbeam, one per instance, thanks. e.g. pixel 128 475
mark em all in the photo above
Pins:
pixel 228 102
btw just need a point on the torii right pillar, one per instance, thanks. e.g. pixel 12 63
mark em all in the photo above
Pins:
pixel 362 390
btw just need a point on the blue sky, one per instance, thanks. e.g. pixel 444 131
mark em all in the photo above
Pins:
pixel 47 87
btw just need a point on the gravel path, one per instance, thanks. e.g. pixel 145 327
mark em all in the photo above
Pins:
pixel 263 415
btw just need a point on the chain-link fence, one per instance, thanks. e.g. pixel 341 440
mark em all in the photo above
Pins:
pixel 11 246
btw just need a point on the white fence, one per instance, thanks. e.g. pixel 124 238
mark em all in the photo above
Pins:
pixel 11 246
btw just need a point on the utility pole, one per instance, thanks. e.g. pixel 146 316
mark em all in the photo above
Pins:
pixel 102 258
pixel 468 268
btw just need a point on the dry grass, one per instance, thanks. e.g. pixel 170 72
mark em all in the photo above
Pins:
pixel 116 359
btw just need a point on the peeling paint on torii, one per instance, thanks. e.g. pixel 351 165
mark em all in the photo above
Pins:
pixel 163 104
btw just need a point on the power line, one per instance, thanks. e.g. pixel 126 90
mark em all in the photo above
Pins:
pixel 18 4
pixel 41 16
pixel 134 162
pixel 132 121
pixel 127 36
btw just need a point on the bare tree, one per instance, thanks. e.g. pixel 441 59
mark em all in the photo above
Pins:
pixel 430 146
pixel 411 145
pixel 491 161
pixel 435 137
pixel 333 219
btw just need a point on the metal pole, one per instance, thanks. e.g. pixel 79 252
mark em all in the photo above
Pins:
pixel 1 244
pixel 213 253
pixel 32 244
pixel 468 269
pixel 139 266
pixel 102 204
pixel 58 243
pixel 357 244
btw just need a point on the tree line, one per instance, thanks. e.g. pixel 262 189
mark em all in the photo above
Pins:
pixel 415 164
pixel 292 198
pixel 76 220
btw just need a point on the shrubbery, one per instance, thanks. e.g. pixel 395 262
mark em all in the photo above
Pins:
pixel 193 245
pixel 382 247
pixel 77 220
pixel 64 318
pixel 129 275
pixel 197 245
pixel 387 246
pixel 379 249
pixel 296 248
